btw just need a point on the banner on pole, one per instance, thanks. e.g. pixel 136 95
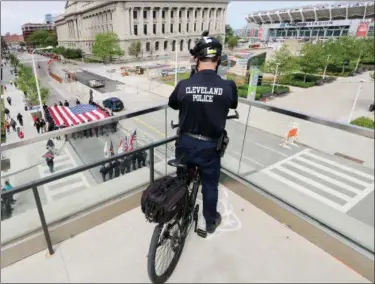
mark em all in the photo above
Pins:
pixel 253 83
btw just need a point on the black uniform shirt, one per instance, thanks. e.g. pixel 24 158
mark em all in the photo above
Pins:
pixel 204 101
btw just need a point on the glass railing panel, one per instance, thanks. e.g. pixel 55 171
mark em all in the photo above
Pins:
pixel 323 171
pixel 78 191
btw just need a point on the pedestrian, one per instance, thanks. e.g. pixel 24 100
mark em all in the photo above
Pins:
pixel 9 99
pixel 78 102
pixel 60 103
pixel 50 145
pixel 11 82
pixel 116 167
pixel 43 126
pixel 5 88
pixel 7 113
pixel 91 98
pixel 134 160
pixel 20 119
pixel 37 124
pixel 103 170
pixel 15 84
pixel 6 126
pixel 20 132
pixel 49 160
pixel 110 170
pixel 13 123
pixel 122 166
pixel 8 187
pixel 25 94
pixel 66 103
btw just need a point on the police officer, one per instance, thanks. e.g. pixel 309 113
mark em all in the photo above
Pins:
pixel 203 102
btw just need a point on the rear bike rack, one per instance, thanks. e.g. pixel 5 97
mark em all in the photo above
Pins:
pixel 200 232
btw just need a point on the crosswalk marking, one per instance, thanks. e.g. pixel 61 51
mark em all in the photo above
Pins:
pixel 315 175
pixel 64 187
pixel 345 168
pixel 323 177
pixel 306 191
pixel 341 175
pixel 314 183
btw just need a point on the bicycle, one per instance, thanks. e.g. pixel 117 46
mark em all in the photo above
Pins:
pixel 182 221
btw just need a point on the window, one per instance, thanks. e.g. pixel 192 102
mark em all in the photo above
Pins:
pixel 144 14
pixel 181 45
pixel 135 15
pixel 202 27
pixel 154 29
pixel 163 14
pixel 135 29
pixel 179 27
pixel 148 46
pixel 157 45
pixel 110 16
pixel 196 13
pixel 173 45
pixel 165 45
pixel 163 28
pixel 195 27
pixel 189 44
pixel 187 27
pixel 145 29
pixel 172 12
pixel 154 14
pixel 171 28
pixel 180 14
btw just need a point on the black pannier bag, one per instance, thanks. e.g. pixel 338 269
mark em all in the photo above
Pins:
pixel 164 199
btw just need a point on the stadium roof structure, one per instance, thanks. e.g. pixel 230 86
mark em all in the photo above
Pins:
pixel 319 12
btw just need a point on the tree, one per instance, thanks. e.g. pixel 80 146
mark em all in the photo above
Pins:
pixel 42 38
pixel 135 49
pixel 33 99
pixel 228 33
pixel 22 43
pixel 311 59
pixel 106 46
pixel 220 38
pixel 232 42
pixel 284 59
pixel 14 60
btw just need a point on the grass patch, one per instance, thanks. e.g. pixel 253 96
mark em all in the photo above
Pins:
pixel 364 122
pixel 169 80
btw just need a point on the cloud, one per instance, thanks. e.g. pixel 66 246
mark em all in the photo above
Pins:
pixel 16 13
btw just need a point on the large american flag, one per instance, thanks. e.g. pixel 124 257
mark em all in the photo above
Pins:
pixel 79 114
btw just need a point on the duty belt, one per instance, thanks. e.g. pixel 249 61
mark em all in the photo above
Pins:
pixel 199 137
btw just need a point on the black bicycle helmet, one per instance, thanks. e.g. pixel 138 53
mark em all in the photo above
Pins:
pixel 207 47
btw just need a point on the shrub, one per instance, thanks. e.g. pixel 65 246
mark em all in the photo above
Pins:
pixel 363 122
pixel 262 90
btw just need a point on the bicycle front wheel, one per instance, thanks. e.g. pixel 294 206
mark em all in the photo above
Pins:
pixel 165 250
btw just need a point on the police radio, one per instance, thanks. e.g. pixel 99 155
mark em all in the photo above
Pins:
pixel 194 66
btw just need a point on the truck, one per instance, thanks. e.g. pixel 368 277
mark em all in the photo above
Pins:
pixel 96 84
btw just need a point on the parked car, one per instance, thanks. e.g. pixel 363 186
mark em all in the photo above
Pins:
pixel 96 84
pixel 114 103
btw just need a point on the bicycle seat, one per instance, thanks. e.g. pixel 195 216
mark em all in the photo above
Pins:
pixel 177 163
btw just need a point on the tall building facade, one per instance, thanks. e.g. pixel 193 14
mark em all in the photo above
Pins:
pixel 160 26
pixel 48 18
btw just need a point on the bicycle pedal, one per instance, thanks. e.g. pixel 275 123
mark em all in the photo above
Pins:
pixel 201 233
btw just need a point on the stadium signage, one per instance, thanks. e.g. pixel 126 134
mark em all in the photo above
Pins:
pixel 310 24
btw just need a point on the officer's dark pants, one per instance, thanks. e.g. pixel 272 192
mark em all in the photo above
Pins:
pixel 204 155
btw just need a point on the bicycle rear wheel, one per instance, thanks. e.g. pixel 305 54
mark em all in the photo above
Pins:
pixel 165 250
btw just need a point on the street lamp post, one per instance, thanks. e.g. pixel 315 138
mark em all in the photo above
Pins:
pixel 36 79
pixel 359 59
pixel 325 68
pixel 175 69
pixel 355 101
pixel 274 79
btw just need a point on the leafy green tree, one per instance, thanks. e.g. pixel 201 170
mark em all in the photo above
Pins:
pixel 106 46
pixel 135 49
pixel 232 42
pixel 14 60
pixel 311 59
pixel 228 33
pixel 284 59
pixel 42 38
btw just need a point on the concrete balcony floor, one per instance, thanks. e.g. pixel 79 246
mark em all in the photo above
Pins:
pixel 249 246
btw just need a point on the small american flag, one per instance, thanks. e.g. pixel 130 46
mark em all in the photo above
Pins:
pixel 79 114
pixel 133 138
pixel 126 144
pixel 121 147
pixel 111 149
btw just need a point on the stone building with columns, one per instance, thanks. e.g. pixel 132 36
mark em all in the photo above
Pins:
pixel 160 26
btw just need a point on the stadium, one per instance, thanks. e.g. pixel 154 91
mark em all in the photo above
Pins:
pixel 321 21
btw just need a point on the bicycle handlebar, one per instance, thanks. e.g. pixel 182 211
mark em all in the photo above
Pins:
pixel 234 116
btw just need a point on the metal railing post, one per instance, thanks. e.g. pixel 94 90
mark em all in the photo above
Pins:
pixel 43 220
pixel 152 172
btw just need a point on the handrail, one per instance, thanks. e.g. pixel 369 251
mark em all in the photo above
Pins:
pixel 73 129
pixel 369 133
pixel 85 167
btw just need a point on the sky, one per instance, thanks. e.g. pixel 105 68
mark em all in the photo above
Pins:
pixel 16 13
